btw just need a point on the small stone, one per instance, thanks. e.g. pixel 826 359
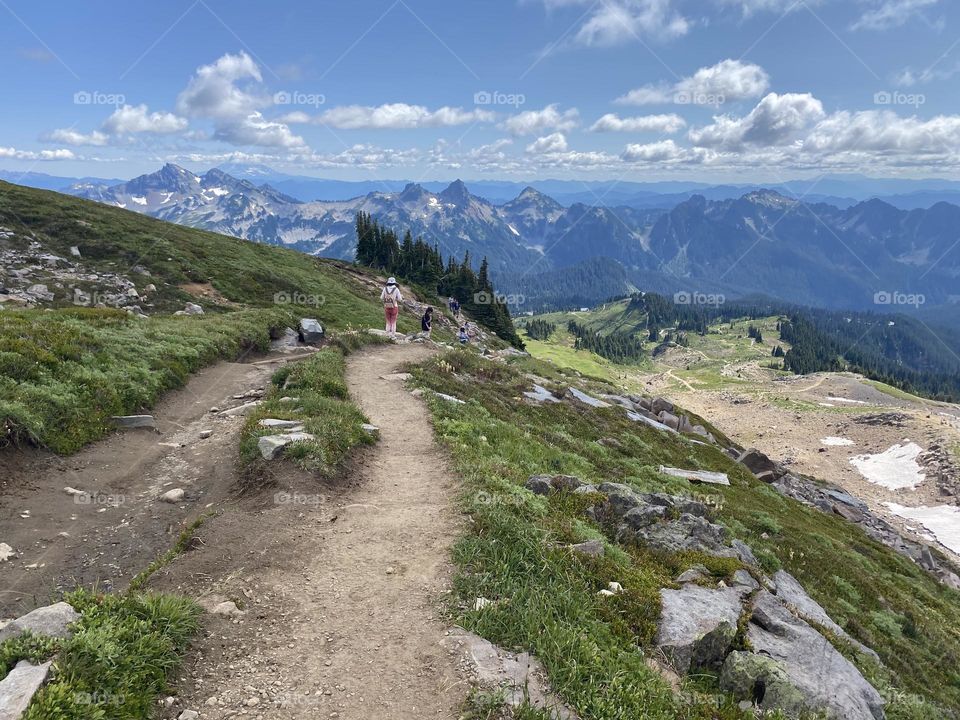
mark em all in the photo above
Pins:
pixel 204 434
pixel 134 421
pixel 6 552
pixel 173 496
pixel 189 715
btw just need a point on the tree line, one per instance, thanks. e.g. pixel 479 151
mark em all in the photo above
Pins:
pixel 619 347
pixel 417 262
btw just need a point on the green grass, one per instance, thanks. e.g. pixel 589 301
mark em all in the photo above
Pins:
pixel 323 407
pixel 594 648
pixel 64 373
pixel 123 652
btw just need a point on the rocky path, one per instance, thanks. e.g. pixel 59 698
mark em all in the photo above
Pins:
pixel 337 584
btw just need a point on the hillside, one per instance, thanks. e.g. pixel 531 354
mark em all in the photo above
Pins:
pixel 286 556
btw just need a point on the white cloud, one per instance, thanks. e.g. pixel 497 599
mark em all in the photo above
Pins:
pixel 553 143
pixel 663 152
pixel 884 132
pixel 536 121
pixel 776 120
pixel 400 116
pixel 728 80
pixel 215 92
pixel 14 154
pixel 613 22
pixel 69 136
pixel 138 119
pixel 255 130
pixel 891 13
pixel 612 122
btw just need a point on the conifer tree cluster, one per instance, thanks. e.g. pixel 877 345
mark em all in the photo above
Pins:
pixel 619 347
pixel 417 262
pixel 540 329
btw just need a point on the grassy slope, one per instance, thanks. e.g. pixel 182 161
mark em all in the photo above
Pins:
pixel 594 648
pixel 63 373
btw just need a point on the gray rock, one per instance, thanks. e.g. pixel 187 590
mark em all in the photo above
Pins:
pixel 582 397
pixel 659 405
pixel 791 593
pixel 241 410
pixel 192 309
pixel 761 680
pixel 310 331
pixel 173 496
pixel 271 445
pixel 621 498
pixel 590 547
pixel 52 620
pixel 697 476
pixel 644 516
pixel 519 676
pixel 275 423
pixel 584 489
pixel 568 483
pixel 756 461
pixel 646 419
pixel 18 688
pixel 741 578
pixel 539 485
pixel 692 574
pixel 826 680
pixel 689 532
pixel 669 419
pixel 134 421
pixel 744 553
pixel 540 394
pixel 188 715
pixel 75 251
pixel 370 429
pixel 697 625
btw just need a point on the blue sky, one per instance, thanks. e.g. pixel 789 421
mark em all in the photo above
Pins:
pixel 423 89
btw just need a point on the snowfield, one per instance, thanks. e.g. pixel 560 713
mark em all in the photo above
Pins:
pixel 895 468
pixel 943 521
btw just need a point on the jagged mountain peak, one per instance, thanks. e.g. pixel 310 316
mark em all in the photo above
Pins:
pixel 456 193
pixel 412 193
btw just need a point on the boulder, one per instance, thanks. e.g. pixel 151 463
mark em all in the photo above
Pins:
pixel 241 410
pixel 192 309
pixel 762 680
pixel 581 397
pixel 692 574
pixel 689 532
pixel 791 593
pixel 539 485
pixel 52 620
pixel 271 445
pixel 274 423
pixel 6 552
pixel 757 462
pixel 826 680
pixel 697 625
pixel 621 498
pixel 658 405
pixel 644 516
pixel 74 251
pixel 310 331
pixel 669 419
pixel 744 552
pixel 697 476
pixel 18 688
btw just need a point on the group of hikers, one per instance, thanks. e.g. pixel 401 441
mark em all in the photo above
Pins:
pixel 391 297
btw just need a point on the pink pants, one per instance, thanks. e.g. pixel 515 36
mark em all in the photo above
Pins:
pixel 391 313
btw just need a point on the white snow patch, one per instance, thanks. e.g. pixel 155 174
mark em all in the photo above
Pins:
pixel 847 400
pixel 513 229
pixel 895 468
pixel 139 200
pixel 836 441
pixel 941 520
pixel 218 191
pixel 826 404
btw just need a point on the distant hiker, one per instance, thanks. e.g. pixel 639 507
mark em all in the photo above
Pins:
pixel 426 322
pixel 464 338
pixel 391 298
pixel 455 307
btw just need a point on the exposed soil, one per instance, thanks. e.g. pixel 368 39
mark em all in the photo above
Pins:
pixel 339 580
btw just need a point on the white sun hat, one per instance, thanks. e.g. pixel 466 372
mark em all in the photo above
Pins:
pixel 391 281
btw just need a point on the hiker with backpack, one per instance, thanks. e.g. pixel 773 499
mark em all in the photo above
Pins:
pixel 391 298
pixel 426 322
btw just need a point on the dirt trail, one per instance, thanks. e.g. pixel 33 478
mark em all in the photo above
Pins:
pixel 116 530
pixel 340 588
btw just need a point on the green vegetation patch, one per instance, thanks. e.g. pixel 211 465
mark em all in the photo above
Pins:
pixel 544 598
pixel 120 658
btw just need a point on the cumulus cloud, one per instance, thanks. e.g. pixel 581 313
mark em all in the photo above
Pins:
pixel 14 154
pixel 728 80
pixel 891 13
pixel 400 116
pixel 884 132
pixel 256 130
pixel 70 136
pixel 614 22
pixel 612 122
pixel 226 89
pixel 553 143
pixel 138 119
pixel 536 121
pixel 776 120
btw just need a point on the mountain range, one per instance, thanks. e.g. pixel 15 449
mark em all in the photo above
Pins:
pixel 761 242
